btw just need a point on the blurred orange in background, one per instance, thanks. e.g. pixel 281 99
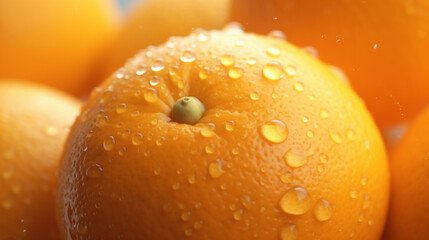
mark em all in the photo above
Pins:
pixel 54 42
pixel 381 45
pixel 34 124
pixel 152 22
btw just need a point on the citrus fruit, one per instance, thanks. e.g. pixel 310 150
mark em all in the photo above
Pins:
pixel 153 21
pixel 34 123
pixel 382 46
pixel 409 205
pixel 283 148
pixel 54 42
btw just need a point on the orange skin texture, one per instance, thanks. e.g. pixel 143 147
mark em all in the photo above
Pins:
pixel 409 206
pixel 55 43
pixel 152 22
pixel 392 79
pixel 129 171
pixel 34 123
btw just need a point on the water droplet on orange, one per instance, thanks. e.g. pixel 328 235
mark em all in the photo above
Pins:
pixel 277 35
pixel 254 96
pixel 208 131
pixel 274 131
pixel 204 73
pixel 215 169
pixel 290 71
pixel 273 71
pixel 188 56
pixel 293 160
pixel 227 60
pixel 121 108
pixel 150 95
pixel 335 137
pixel 353 193
pixel 137 139
pixel 158 65
pixel 273 50
pixel 323 113
pixel 109 143
pixel 322 210
pixel 289 232
pixel 295 201
pixel 235 72
pixel 238 214
pixel 209 149
pixel 94 171
pixel 298 86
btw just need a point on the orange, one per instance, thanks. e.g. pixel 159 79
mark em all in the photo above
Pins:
pixel 153 21
pixel 284 148
pixel 381 45
pixel 34 123
pixel 409 207
pixel 54 42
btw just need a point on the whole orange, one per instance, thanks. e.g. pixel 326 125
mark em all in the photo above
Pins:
pixel 152 22
pixel 381 45
pixel 409 206
pixel 284 148
pixel 34 123
pixel 54 42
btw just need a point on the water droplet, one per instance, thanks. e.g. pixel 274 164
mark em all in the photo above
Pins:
pixel 204 73
pixel 198 225
pixel 364 180
pixel 234 151
pixel 239 43
pixel 273 71
pixel 235 72
pixel 251 61
pixel 298 86
pixel 370 221
pixel 310 134
pixel 209 148
pixel 81 228
pixel 312 51
pixel 254 96
pixel 227 60
pixel 366 201
pixel 188 56
pixel 186 216
pixel 273 50
pixel 275 131
pixel 322 210
pixel 304 119
pixel 361 217
pixel 176 186
pixel 289 232
pixel 94 171
pixel 202 37
pixel 158 65
pixel 290 71
pixel 336 137
pixel 229 126
pixel 293 160
pixel 245 200
pixel 323 113
pixel 353 193
pixel 351 135
pixel 109 143
pixel 320 168
pixel 238 214
pixel 120 73
pixel 295 201
pixel 137 139
pixel 277 35
pixel 215 169
pixel 286 178
pixel 208 131
pixel 121 108
pixel 157 171
pixel 188 232
pixel 141 70
pixel 234 28
pixel 150 95
pixel 191 179
pixel 323 158
pixel 154 81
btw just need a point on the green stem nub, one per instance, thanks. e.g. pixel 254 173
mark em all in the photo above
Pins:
pixel 188 110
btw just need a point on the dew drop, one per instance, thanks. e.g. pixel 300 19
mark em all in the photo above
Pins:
pixel 121 108
pixel 353 193
pixel 186 216
pixel 238 215
pixel 208 131
pixel 141 70
pixel 364 180
pixel 158 65
pixel 254 96
pixel 154 81
pixel 204 73
pixel 323 210
pixel 94 171
pixel 293 160
pixel 191 179
pixel 188 56
pixel 229 126
pixel 81 228
pixel 209 149
pixel 202 37
pixel 351 135
pixel 323 158
pixel 323 113
pixel 275 131
pixel 215 169
pixel 235 72
pixel 176 186
pixel 286 178
pixel 245 200
pixel 290 71
pixel 304 119
pixel 273 50
pixel 335 137
pixel 227 60
pixel 366 201
pixel 150 95
pixel 251 61
pixel 361 217
pixel 298 86
pixel 289 232
pixel 109 143
pixel 295 201
pixel 188 232
pixel 198 225
pixel 273 71
pixel 277 35
pixel 137 139
pixel 310 134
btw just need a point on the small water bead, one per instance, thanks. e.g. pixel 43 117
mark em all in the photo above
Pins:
pixel 273 50
pixel 304 119
pixel 158 65
pixel 157 171
pixel 188 56
pixel 289 232
pixel 137 139
pixel 198 225
pixel 364 180
pixel 275 131
pixel 286 178
pixel 290 71
pixel 310 134
pixel 351 135
pixel 251 61
pixel 191 179
pixel 51 131
pixel 154 81
pixel 353 193
pixel 323 158
pixel 215 169
pixel 361 217
pixel 366 201
pixel 208 131
pixel 320 168
pixel 273 71
pixel 323 210
pixel 335 137
pixel 246 201
pixel 254 96
pixel 140 70
pixel 109 143
pixel 186 216
pixel 188 232
pixel 150 95
pixel 235 151
pixel 298 86
pixel 94 171
pixel 120 73
pixel 370 221
pixel 121 108
pixel 229 126
pixel 202 37
pixel 159 142
pixel 235 72
pixel 227 60
pixel 295 201
pixel 204 73
pixel 238 215
pixel 209 149
pixel 239 43
pixel 311 51
pixel 274 95
pixel 323 113
pixel 277 35
pixel 176 186
pixel 293 160
pixel 234 28
pixel 81 228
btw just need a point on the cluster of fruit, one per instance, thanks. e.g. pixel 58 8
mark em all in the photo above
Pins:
pixel 227 133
